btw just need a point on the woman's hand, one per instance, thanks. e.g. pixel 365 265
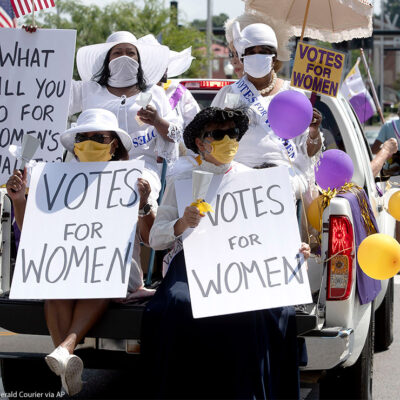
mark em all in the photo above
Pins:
pixel 30 28
pixel 190 219
pixel 315 122
pixel 390 146
pixel 144 191
pixel 16 185
pixel 305 250
pixel 149 115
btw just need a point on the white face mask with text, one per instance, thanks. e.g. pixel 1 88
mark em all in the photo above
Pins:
pixel 258 65
pixel 123 72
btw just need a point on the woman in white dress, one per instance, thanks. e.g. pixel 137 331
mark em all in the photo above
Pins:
pixel 257 45
pixel 118 75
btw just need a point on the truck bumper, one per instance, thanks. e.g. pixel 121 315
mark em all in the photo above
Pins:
pixel 328 347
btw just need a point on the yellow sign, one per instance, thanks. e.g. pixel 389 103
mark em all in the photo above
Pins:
pixel 317 69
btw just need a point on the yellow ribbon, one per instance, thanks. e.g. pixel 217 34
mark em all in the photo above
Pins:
pixel 329 194
pixel 167 84
pixel 202 206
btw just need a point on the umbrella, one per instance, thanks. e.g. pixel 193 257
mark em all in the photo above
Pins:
pixel 326 20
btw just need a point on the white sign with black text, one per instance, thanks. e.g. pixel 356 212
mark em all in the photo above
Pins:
pixel 245 256
pixel 79 231
pixel 35 83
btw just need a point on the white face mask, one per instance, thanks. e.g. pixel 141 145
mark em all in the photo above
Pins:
pixel 123 72
pixel 258 65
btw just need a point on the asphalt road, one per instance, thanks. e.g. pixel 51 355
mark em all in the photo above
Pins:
pixel 114 384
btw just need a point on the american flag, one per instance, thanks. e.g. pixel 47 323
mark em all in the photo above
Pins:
pixel 7 17
pixel 22 7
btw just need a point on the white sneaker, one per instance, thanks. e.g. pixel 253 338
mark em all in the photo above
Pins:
pixel 57 359
pixel 72 374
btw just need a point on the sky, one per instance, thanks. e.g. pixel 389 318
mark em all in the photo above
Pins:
pixel 197 9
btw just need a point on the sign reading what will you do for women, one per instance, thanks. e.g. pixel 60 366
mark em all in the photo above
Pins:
pixel 317 69
pixel 79 231
pixel 245 255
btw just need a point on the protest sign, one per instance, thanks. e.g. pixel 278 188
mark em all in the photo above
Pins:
pixel 245 255
pixel 79 231
pixel 317 69
pixel 35 81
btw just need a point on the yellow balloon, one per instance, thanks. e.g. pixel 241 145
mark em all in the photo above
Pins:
pixel 379 256
pixel 314 213
pixel 394 205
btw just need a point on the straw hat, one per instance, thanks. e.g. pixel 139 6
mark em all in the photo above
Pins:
pixel 153 57
pixel 95 120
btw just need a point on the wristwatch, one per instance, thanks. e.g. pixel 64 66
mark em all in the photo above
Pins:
pixel 145 210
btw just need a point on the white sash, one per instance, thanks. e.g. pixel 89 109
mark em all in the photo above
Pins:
pixel 251 96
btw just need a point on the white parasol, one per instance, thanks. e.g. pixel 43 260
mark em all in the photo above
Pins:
pixel 326 20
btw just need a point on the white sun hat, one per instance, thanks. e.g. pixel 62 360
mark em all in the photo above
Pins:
pixel 153 57
pixel 178 61
pixel 95 120
pixel 253 35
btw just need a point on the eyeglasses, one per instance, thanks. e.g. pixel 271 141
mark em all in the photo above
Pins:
pixel 99 138
pixel 219 134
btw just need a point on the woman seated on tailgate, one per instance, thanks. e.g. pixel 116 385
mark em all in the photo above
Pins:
pixel 96 137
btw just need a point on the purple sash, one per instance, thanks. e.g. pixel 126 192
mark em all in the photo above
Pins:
pixel 367 287
pixel 176 96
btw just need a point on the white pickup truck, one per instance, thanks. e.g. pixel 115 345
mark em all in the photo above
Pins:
pixel 339 332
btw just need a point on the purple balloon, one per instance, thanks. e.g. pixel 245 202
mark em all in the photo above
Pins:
pixel 334 170
pixel 289 114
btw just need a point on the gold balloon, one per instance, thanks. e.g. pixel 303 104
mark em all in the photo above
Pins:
pixel 314 213
pixel 394 205
pixel 379 256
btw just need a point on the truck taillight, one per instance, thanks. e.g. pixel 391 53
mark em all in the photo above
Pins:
pixel 340 262
pixel 205 84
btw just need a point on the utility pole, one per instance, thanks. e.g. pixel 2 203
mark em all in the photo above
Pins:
pixel 209 37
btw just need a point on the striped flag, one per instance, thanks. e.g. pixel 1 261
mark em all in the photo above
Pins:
pixel 22 7
pixel 7 17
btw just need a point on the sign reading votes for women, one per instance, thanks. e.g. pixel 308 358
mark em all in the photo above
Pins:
pixel 79 231
pixel 317 69
pixel 245 255
pixel 35 80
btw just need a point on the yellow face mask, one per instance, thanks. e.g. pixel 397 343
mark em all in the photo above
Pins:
pixel 224 150
pixel 90 150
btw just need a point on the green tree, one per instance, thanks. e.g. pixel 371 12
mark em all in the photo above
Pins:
pixel 217 21
pixel 94 24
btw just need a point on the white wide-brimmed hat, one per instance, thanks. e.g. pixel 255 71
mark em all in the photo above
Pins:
pixel 178 61
pixel 153 58
pixel 95 120
pixel 253 35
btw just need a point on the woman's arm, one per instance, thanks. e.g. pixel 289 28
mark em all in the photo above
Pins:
pixel 145 222
pixel 314 136
pixel 16 187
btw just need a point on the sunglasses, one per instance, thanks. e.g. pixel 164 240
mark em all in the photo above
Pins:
pixel 98 137
pixel 219 134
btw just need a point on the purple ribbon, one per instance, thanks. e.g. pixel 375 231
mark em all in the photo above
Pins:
pixel 395 129
pixel 367 287
pixel 176 96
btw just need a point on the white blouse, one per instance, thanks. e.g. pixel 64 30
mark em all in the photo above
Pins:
pixel 187 106
pixel 147 143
